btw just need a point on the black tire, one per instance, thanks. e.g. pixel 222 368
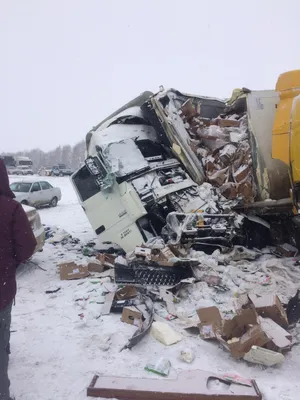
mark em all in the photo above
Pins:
pixel 53 202
pixel 25 202
pixel 61 174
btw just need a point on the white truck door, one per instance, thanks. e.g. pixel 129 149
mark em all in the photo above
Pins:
pixel 112 212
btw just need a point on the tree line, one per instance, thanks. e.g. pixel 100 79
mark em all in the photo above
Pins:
pixel 71 156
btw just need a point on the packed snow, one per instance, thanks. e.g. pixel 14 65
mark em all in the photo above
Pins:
pixel 59 341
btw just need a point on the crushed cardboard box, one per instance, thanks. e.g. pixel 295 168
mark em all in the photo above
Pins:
pixel 71 270
pixel 269 306
pixel 247 328
pixel 279 339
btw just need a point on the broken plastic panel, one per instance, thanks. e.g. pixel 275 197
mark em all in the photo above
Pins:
pixel 143 273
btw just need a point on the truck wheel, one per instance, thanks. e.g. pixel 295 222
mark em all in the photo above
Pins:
pixel 61 174
pixel 54 202
pixel 25 202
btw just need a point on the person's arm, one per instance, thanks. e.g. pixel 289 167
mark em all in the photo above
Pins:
pixel 24 240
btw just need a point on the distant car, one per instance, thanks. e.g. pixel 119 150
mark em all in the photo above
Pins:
pixel 36 193
pixel 45 171
pixel 36 226
pixel 61 170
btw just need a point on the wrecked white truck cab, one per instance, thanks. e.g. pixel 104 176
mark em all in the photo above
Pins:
pixel 133 178
pixel 174 154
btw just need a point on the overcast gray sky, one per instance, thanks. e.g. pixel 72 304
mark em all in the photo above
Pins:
pixel 67 64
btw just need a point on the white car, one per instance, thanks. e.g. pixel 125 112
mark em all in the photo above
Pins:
pixel 36 194
pixel 36 226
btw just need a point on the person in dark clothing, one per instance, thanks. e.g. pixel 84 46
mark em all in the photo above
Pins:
pixel 17 244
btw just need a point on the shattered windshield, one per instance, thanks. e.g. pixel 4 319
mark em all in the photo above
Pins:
pixel 21 187
pixel 124 158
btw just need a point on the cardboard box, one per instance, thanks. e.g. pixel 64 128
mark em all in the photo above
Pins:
pixel 127 292
pixel 106 259
pixel 237 335
pixel 211 322
pixel 254 336
pixel 143 252
pixel 71 270
pixel 239 324
pixel 287 250
pixel 163 256
pixel 226 123
pixel 132 316
pixel 178 251
pixel 96 267
pixel 269 306
pixel 280 339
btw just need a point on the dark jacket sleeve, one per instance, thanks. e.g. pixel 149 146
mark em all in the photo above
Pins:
pixel 24 240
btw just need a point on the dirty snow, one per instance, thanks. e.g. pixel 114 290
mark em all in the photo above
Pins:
pixel 56 352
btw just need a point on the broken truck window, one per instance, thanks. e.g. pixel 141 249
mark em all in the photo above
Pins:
pixel 85 184
pixel 124 158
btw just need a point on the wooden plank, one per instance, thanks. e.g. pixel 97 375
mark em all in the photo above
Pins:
pixel 190 385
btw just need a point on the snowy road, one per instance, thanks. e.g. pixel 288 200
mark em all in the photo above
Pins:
pixel 55 352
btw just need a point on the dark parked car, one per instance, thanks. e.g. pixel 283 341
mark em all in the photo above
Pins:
pixel 61 170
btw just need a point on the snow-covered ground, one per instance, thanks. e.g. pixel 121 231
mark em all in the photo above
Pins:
pixel 55 352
